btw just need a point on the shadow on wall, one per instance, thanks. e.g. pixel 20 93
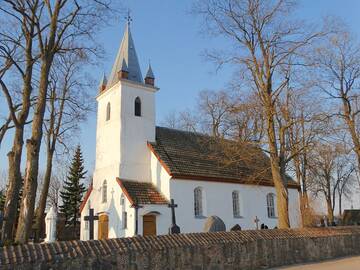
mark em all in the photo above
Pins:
pixel 115 220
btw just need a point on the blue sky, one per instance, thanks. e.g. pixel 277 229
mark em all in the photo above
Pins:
pixel 166 33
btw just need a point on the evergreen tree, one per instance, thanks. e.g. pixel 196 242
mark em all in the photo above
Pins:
pixel 73 189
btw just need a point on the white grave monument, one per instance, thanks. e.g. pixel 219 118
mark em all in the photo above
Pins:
pixel 50 221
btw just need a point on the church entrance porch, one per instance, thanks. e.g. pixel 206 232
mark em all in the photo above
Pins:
pixel 103 226
pixel 149 225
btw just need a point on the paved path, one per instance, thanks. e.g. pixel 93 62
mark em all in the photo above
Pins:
pixel 350 263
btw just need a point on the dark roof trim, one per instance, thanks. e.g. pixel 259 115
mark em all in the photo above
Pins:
pixel 86 197
pixel 125 191
pixel 208 178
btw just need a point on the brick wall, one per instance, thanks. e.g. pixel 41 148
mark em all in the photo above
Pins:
pixel 225 250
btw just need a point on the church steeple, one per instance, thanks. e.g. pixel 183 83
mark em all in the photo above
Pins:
pixel 128 54
pixel 150 78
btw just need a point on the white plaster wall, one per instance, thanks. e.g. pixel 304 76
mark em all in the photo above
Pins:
pixel 218 201
pixel 136 131
pixel 159 177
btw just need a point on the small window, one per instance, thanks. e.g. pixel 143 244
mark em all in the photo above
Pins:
pixel 104 192
pixel 122 199
pixel 108 111
pixel 270 205
pixel 236 204
pixel 124 218
pixel 137 106
pixel 198 203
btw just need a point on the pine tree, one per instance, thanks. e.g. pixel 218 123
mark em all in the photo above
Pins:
pixel 73 189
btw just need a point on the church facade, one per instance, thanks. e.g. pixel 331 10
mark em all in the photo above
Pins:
pixel 140 167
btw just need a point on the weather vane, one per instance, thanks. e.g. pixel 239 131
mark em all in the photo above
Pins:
pixel 128 17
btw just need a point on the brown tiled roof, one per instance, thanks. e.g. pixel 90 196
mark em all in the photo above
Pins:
pixel 189 155
pixel 141 192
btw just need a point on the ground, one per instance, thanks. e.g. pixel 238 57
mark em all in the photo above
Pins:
pixel 350 263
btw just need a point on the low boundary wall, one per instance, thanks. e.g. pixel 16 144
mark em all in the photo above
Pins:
pixel 257 249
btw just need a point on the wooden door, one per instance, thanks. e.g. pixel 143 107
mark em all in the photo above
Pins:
pixel 103 225
pixel 149 225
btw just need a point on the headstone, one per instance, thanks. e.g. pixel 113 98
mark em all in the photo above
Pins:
pixel 256 221
pixel 50 221
pixel 214 224
pixel 237 227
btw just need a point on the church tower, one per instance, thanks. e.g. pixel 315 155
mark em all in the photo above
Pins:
pixel 125 119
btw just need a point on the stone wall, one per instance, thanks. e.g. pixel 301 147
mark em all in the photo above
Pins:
pixel 223 250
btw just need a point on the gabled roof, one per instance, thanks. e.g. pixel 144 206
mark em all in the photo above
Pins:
pixel 189 155
pixel 126 52
pixel 141 193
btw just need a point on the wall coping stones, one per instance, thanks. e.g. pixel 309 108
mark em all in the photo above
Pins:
pixel 24 256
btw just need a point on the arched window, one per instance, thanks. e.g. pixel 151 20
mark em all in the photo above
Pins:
pixel 104 192
pixel 236 203
pixel 108 111
pixel 122 199
pixel 270 205
pixel 198 202
pixel 137 106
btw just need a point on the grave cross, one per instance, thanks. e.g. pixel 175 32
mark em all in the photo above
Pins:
pixel 91 218
pixel 256 220
pixel 174 229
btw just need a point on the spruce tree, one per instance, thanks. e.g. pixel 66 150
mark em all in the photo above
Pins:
pixel 73 189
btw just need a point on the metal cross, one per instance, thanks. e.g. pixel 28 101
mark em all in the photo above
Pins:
pixel 256 220
pixel 174 228
pixel 91 218
pixel 128 17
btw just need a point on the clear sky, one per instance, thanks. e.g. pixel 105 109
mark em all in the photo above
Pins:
pixel 166 33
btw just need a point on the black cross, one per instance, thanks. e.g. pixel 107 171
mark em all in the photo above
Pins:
pixel 174 229
pixel 136 206
pixel 128 17
pixel 91 218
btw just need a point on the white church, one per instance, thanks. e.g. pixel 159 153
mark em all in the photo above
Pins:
pixel 140 167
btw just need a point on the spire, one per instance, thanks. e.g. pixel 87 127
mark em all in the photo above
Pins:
pixel 128 55
pixel 150 78
pixel 150 73
pixel 103 83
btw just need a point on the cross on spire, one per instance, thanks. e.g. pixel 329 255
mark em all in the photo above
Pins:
pixel 128 17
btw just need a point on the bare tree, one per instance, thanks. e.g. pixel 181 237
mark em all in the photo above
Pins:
pixel 338 66
pixel 330 173
pixel 68 105
pixel 62 26
pixel 267 48
pixel 16 50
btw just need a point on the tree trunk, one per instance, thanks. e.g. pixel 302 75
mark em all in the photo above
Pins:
pixel 330 211
pixel 340 204
pixel 39 216
pixel 14 186
pixel 32 159
pixel 282 199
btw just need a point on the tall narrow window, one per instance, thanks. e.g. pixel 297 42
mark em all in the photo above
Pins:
pixel 108 111
pixel 104 192
pixel 236 203
pixel 122 199
pixel 137 106
pixel 124 219
pixel 198 203
pixel 270 205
